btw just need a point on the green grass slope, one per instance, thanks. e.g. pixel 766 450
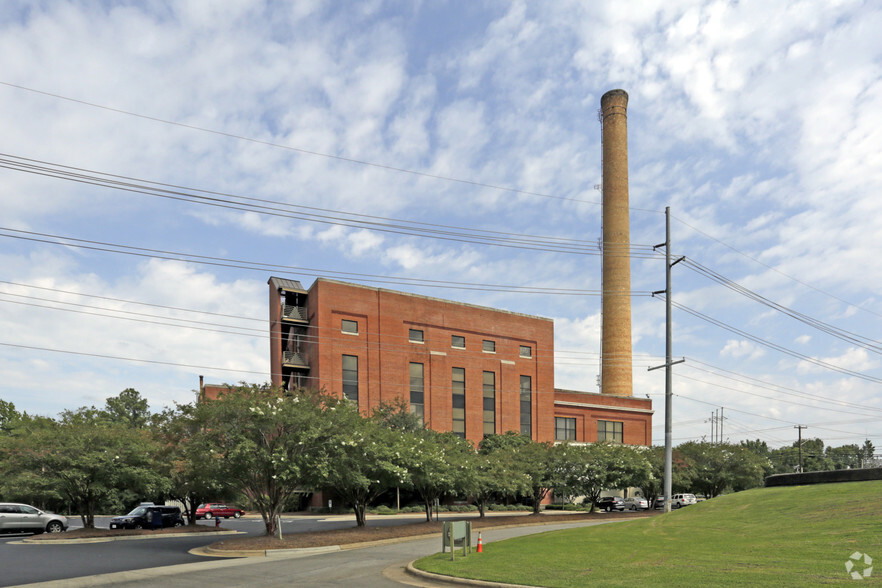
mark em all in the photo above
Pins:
pixel 788 536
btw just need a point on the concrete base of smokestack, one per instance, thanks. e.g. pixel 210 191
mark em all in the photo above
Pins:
pixel 616 375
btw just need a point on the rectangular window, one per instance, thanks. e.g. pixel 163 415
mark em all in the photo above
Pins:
pixel 417 391
pixel 564 429
pixel 457 341
pixel 350 377
pixel 526 351
pixel 349 327
pixel 489 403
pixel 526 406
pixel 609 431
pixel 459 402
pixel 415 336
pixel 489 346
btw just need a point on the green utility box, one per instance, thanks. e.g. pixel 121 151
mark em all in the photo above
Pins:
pixel 457 534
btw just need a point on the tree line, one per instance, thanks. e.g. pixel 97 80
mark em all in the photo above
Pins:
pixel 265 446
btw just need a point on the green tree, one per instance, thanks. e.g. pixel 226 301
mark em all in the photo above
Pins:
pixel 396 415
pixel 363 459
pixel 8 415
pixel 588 470
pixel 845 457
pixel 436 465
pixel 90 463
pixel 265 443
pixel 539 462
pixel 183 461
pixel 716 467
pixel 128 408
pixel 868 454
pixel 493 475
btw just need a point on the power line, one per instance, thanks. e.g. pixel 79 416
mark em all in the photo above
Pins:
pixel 269 268
pixel 777 271
pixel 775 346
pixel 847 336
pixel 298 150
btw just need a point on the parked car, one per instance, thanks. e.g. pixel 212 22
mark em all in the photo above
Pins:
pixel 217 509
pixel 24 518
pixel 636 503
pixel 610 503
pixel 142 517
pixel 659 502
pixel 678 500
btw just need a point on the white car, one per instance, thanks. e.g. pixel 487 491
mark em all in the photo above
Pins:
pixel 678 500
pixel 636 503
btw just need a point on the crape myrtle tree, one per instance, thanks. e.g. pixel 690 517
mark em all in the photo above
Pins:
pixel 495 472
pixel 437 465
pixel 363 458
pixel 539 462
pixel 264 442
pixel 588 470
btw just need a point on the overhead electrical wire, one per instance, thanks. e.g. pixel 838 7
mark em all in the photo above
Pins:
pixel 298 150
pixel 775 346
pixel 264 267
pixel 847 336
pixel 777 271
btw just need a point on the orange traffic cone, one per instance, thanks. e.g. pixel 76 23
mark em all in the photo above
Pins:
pixel 480 543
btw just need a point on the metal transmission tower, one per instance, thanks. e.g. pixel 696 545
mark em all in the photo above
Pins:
pixel 668 360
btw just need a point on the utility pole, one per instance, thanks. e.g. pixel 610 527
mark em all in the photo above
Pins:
pixel 800 427
pixel 722 418
pixel 669 393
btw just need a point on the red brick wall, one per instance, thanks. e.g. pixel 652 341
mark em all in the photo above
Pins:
pixel 635 414
pixel 384 351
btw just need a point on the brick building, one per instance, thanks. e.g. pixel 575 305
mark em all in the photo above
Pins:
pixel 462 368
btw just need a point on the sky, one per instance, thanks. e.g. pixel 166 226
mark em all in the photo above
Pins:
pixel 161 160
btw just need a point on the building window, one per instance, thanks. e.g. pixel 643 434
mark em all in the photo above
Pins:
pixel 526 351
pixel 564 429
pixel 350 327
pixel 489 403
pixel 489 346
pixel 609 431
pixel 457 341
pixel 417 391
pixel 526 406
pixel 459 402
pixel 350 377
pixel 415 336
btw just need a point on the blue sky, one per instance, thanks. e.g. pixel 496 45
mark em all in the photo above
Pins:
pixel 759 124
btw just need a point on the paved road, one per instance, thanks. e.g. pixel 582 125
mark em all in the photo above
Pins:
pixel 356 567
pixel 28 563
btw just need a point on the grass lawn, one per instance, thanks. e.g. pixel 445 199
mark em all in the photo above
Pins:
pixel 790 536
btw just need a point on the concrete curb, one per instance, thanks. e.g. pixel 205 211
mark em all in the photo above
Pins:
pixel 439 579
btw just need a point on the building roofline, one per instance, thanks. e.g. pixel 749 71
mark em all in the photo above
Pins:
pixel 599 395
pixel 421 296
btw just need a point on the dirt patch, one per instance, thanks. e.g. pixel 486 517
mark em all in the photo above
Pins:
pixel 365 534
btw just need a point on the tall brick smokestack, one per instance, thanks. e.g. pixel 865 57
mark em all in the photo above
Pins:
pixel 615 351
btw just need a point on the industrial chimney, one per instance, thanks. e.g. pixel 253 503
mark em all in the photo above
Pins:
pixel 615 350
